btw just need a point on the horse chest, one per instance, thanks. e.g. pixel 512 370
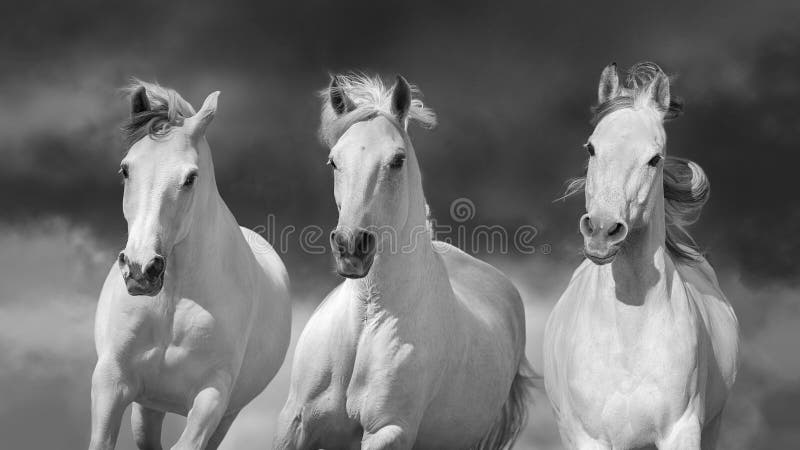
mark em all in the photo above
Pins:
pixel 379 359
pixel 630 388
pixel 379 366
pixel 177 355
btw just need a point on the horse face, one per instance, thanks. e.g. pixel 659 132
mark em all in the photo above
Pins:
pixel 623 178
pixel 162 178
pixel 371 191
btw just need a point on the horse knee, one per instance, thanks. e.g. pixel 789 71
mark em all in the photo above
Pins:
pixel 390 437
pixel 289 435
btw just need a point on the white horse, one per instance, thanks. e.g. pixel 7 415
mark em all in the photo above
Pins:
pixel 642 347
pixel 194 318
pixel 423 345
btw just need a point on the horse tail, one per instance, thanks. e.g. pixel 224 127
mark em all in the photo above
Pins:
pixel 514 415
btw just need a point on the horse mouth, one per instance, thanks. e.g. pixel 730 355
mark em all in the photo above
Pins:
pixel 149 289
pixel 601 260
pixel 353 276
pixel 352 267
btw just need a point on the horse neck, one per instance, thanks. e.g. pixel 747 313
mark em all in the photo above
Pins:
pixel 399 273
pixel 639 271
pixel 213 228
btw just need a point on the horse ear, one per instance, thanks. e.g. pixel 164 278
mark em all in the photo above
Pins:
pixel 609 84
pixel 659 92
pixel 139 101
pixel 401 99
pixel 340 102
pixel 200 121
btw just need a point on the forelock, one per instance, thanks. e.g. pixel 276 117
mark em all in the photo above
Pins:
pixel 635 92
pixel 167 110
pixel 371 98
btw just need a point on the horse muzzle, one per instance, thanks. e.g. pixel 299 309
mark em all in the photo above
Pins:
pixel 147 280
pixel 602 237
pixel 351 267
pixel 354 252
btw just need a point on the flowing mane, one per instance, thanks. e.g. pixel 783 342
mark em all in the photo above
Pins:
pixel 370 97
pixel 686 186
pixel 167 109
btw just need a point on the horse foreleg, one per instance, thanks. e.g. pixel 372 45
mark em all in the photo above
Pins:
pixel 204 417
pixel 290 434
pixel 110 396
pixel 146 425
pixel 390 437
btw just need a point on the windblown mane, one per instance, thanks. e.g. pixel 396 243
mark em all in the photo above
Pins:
pixel 635 91
pixel 686 186
pixel 370 97
pixel 686 190
pixel 167 110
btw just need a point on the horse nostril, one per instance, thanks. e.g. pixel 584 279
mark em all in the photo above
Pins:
pixel 366 242
pixel 586 225
pixel 617 232
pixel 339 242
pixel 614 229
pixel 122 258
pixel 155 268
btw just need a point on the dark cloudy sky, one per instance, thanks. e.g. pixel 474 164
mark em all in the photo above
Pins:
pixel 512 84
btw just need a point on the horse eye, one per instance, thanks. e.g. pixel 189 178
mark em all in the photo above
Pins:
pixel 190 180
pixel 655 160
pixel 123 171
pixel 397 161
pixel 331 163
pixel 589 148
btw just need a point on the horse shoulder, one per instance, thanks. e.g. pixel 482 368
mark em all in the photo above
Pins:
pixel 717 315
pixel 267 258
pixel 482 288
pixel 104 309
pixel 567 306
pixel 557 334
pixel 119 318
pixel 323 346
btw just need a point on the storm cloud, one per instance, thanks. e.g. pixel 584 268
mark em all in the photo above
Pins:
pixel 512 85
